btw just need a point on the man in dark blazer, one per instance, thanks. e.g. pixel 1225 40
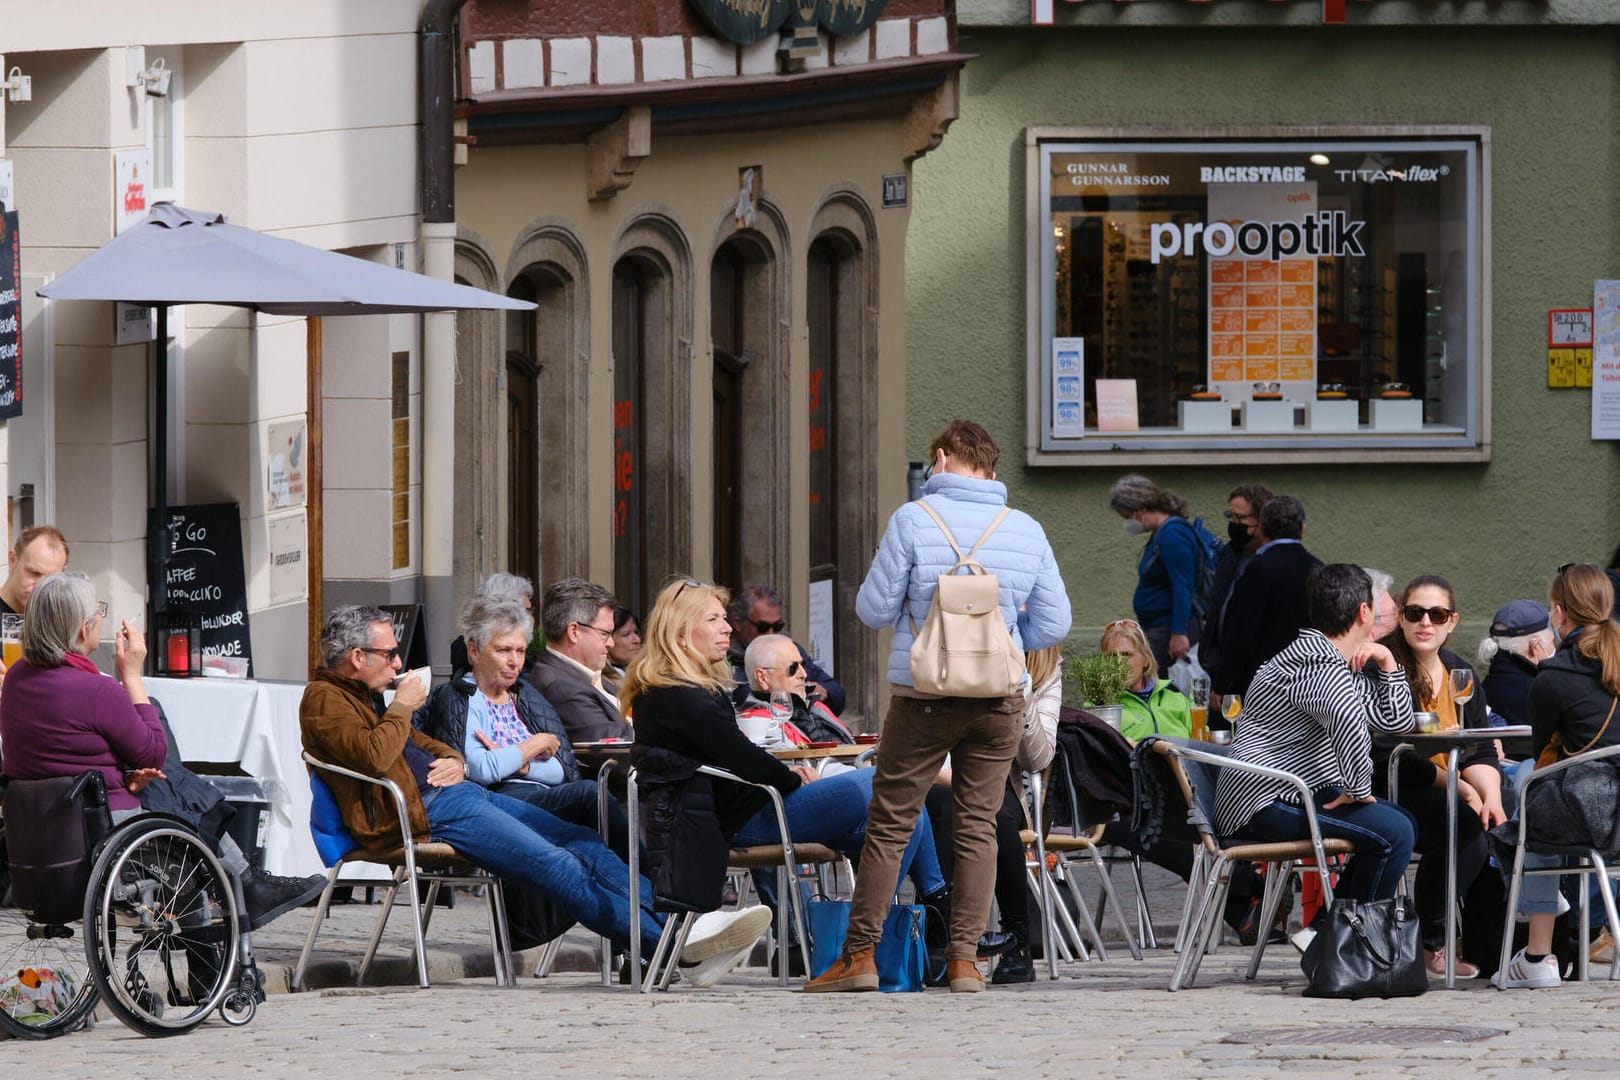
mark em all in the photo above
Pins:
pixel 578 621
pixel 1268 607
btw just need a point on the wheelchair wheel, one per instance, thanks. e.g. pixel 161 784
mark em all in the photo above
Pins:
pixel 161 921
pixel 46 988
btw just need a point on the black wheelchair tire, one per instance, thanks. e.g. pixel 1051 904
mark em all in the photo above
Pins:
pixel 188 878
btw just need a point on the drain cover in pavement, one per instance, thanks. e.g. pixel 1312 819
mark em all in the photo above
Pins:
pixel 1362 1034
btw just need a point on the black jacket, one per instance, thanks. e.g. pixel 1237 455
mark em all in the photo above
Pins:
pixel 1098 759
pixel 444 717
pixel 686 849
pixel 1232 562
pixel 1568 697
pixel 699 725
pixel 1266 613
pixel 1507 686
pixel 586 714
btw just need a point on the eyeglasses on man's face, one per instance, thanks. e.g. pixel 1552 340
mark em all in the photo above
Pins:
pixel 607 635
pixel 770 627
pixel 791 669
pixel 388 655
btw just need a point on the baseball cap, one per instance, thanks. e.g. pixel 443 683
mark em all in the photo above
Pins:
pixel 1519 617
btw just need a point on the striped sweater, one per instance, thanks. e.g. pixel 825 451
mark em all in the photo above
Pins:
pixel 1307 714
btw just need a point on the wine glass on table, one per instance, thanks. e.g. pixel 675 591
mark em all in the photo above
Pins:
pixel 781 707
pixel 1231 708
pixel 1460 687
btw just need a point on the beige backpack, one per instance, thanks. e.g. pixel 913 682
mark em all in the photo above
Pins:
pixel 964 648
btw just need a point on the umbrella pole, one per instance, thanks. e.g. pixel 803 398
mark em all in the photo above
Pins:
pixel 157 544
pixel 315 491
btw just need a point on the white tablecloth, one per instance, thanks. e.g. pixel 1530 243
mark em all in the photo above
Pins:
pixel 255 725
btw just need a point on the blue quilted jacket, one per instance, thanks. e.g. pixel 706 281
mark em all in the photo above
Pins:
pixel 914 553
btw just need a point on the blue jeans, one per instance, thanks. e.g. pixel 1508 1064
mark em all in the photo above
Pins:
pixel 576 803
pixel 832 811
pixel 567 863
pixel 1382 832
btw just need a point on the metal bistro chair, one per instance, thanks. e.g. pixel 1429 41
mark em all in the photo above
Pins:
pixel 432 864
pixel 1043 878
pixel 786 857
pixel 1193 773
pixel 1587 862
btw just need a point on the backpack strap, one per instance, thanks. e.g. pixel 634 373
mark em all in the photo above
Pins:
pixel 995 523
pixel 961 559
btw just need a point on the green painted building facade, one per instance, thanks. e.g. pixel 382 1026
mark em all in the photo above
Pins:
pixel 1543 79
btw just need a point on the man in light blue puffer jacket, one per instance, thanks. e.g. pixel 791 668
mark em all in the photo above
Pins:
pixel 979 734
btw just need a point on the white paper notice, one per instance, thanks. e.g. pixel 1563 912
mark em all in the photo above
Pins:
pixel 1068 387
pixel 821 643
pixel 1606 360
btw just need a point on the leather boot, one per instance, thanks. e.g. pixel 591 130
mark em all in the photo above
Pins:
pixel 964 976
pixel 1015 966
pixel 850 972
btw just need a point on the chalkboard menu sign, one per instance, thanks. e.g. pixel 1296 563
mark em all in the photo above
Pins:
pixel 11 360
pixel 201 571
pixel 407 620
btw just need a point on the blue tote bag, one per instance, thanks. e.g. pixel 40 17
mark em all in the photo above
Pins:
pixel 901 956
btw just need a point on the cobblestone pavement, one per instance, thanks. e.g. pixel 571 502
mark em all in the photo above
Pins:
pixel 1099 1020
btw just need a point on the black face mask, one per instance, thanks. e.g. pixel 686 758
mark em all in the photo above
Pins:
pixel 1238 533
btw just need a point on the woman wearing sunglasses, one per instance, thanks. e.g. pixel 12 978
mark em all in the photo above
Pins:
pixel 1427 612
pixel 679 687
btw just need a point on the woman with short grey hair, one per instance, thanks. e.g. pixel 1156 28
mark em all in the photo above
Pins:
pixel 494 614
pixel 59 716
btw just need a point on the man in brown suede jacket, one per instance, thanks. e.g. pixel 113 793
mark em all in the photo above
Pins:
pixel 344 722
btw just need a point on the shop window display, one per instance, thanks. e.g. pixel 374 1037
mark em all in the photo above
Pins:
pixel 1260 294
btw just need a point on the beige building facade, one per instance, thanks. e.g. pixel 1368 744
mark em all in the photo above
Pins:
pixel 715 234
pixel 298 119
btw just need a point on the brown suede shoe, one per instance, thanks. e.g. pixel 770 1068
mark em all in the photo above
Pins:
pixel 851 971
pixel 964 977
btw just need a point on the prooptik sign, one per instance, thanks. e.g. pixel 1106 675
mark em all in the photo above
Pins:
pixel 1325 233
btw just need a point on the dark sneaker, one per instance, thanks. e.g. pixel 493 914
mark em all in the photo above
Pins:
pixel 269 896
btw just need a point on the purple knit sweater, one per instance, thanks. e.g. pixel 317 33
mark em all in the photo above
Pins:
pixel 61 721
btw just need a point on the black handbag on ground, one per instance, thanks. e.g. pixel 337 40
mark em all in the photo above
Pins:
pixel 1366 949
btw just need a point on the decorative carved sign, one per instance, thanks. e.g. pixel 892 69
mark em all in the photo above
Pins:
pixel 748 21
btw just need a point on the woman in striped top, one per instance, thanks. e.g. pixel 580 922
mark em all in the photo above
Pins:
pixel 1307 713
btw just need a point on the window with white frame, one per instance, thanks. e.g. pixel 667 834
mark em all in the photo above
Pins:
pixel 165 128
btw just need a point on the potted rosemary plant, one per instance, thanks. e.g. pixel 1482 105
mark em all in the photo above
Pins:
pixel 1100 679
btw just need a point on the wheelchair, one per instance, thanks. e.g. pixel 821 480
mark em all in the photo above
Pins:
pixel 141 917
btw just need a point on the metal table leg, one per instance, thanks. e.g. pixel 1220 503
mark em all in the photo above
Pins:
pixel 602 798
pixel 1451 868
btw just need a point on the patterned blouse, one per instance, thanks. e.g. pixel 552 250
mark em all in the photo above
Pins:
pixel 1307 714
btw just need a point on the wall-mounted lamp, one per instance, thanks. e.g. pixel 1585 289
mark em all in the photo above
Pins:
pixel 19 87
pixel 156 78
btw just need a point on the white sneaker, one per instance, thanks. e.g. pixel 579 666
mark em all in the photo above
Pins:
pixel 1522 974
pixel 720 940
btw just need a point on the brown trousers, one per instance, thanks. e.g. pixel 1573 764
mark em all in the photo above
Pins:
pixel 980 735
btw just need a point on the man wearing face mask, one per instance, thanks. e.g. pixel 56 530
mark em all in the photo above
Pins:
pixel 1267 608
pixel 1521 638
pixel 1243 508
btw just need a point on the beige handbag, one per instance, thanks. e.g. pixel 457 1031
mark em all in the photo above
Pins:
pixel 964 648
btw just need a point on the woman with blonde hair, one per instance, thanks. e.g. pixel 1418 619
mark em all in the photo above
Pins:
pixel 1151 705
pixel 1572 709
pixel 679 687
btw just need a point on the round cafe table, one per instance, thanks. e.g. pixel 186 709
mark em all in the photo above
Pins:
pixel 1515 742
